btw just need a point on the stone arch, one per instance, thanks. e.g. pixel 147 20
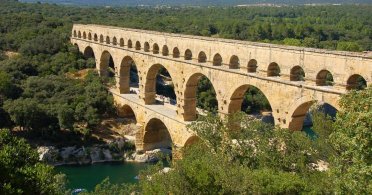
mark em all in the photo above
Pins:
pixel 130 44
pixel 88 52
pixel 150 83
pixel 124 74
pixel 190 92
pixel 165 50
pixel 297 74
pixel 126 111
pixel 138 45
pixel 95 37
pixel 202 57
pixel 191 140
pixel 356 82
pixel 84 35
pixel 298 112
pixel 155 48
pixel 217 60
pixel 324 78
pixel 106 62
pixel 121 42
pixel 146 47
pixel 188 54
pixel 114 41
pixel 107 40
pixel 176 52
pixel 237 97
pixel 75 34
pixel 234 62
pixel 156 135
pixel 273 70
pixel 79 34
pixel 252 66
pixel 101 38
pixel 89 36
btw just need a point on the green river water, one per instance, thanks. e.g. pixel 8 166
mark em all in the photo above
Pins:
pixel 88 176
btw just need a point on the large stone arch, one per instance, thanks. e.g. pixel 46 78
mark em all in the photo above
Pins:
pixel 126 111
pixel 123 82
pixel 156 134
pixel 89 52
pixel 353 79
pixel 189 95
pixel 298 110
pixel 150 82
pixel 104 63
pixel 236 97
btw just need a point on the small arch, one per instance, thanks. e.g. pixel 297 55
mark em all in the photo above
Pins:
pixel 217 60
pixel 101 38
pixel 130 44
pixel 252 66
pixel 273 70
pixel 121 42
pixel 89 53
pixel 155 48
pixel 234 62
pixel 191 140
pixel 75 34
pixel 114 41
pixel 176 52
pixel 89 36
pixel 138 45
pixel 107 66
pixel 297 74
pixel 324 78
pixel 202 57
pixel 165 50
pixel 146 47
pixel 95 37
pixel 84 35
pixel 156 135
pixel 356 82
pixel 188 55
pixel 128 76
pixel 79 34
pixel 107 40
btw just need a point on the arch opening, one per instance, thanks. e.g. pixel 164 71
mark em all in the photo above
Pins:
pixel 107 40
pixel 324 78
pixel 128 76
pixel 202 57
pixel 146 47
pixel 121 42
pixel 128 113
pixel 156 136
pixel 130 44
pixel 188 55
pixel 95 37
pixel 356 82
pixel 138 45
pixel 107 66
pixel 114 41
pixel 159 86
pixel 176 53
pixel 234 62
pixel 252 101
pixel 84 35
pixel 297 74
pixel 79 34
pixel 199 97
pixel 165 50
pixel 89 36
pixel 252 66
pixel 217 60
pixel 273 70
pixel 155 48
pixel 90 56
pixel 101 38
pixel 75 34
pixel 302 117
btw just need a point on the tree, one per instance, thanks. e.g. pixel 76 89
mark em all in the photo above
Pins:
pixel 21 171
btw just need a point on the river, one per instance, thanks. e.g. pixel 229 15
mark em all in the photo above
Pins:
pixel 88 176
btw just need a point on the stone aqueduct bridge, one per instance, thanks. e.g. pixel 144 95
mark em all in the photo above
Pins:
pixel 231 66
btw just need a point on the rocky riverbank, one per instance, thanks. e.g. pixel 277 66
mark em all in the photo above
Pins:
pixel 116 151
